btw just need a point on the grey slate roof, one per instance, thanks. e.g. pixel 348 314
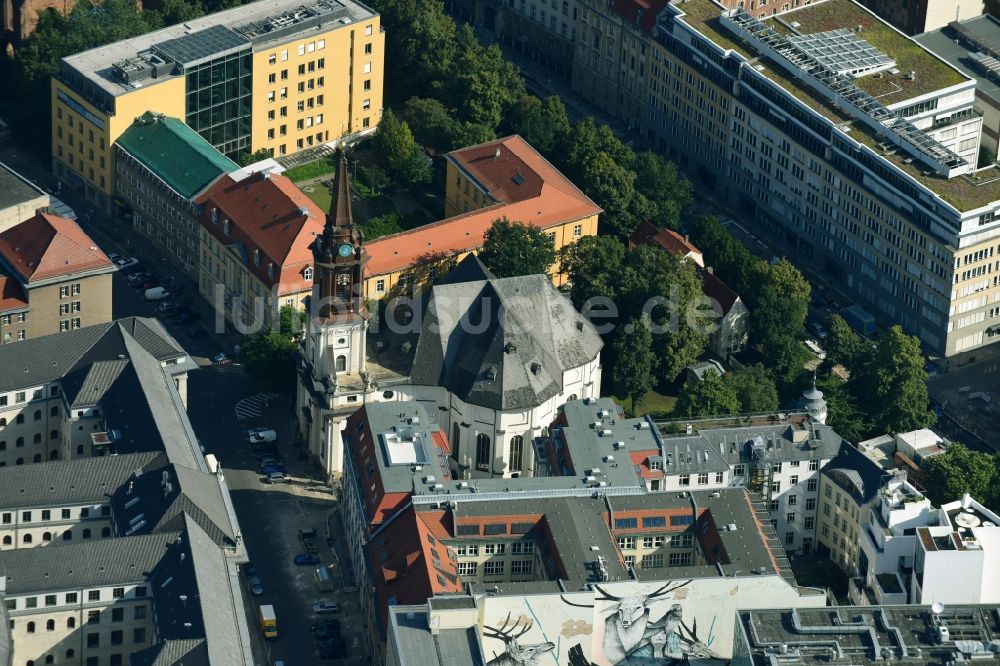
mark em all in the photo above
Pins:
pixel 185 652
pixel 68 481
pixel 501 343
pixel 49 358
pixel 419 647
pixel 15 190
pixel 101 562
pixel 864 473
pixel 190 494
pixel 85 387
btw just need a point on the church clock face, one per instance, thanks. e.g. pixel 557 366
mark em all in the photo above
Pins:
pixel 345 250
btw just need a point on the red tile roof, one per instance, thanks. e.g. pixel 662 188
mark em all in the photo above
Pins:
pixel 11 294
pixel 718 291
pixel 668 239
pixel 641 13
pixel 266 213
pixel 47 246
pixel 544 199
pixel 402 559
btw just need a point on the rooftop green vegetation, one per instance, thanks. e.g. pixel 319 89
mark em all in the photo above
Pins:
pixel 703 15
pixel 963 192
pixel 175 153
pixel 932 73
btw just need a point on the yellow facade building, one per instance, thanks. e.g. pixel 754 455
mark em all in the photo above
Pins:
pixel 276 75
pixel 505 178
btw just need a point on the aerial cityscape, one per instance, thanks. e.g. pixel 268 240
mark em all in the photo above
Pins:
pixel 488 333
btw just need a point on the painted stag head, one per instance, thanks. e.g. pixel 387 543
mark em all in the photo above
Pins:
pixel 635 608
pixel 516 653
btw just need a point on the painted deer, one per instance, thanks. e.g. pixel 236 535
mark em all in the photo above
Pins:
pixel 514 653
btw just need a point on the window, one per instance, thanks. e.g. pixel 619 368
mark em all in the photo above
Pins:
pixel 811 485
pixel 626 523
pixel 516 453
pixel 521 567
pixel 139 613
pixel 493 568
pixel 685 479
pixel 70 622
pixel 71 597
pixel 682 540
pixel 368 48
pixel 93 640
pixel 50 625
pixel 380 286
pixel 523 547
pixel 368 30
pixel 776 487
pixel 652 561
pixel 789 538
pixel 740 470
pixel 793 480
pixel 117 614
pixel 790 517
pixel 93 617
pixel 809 522
pixel 483 451
pixel 116 637
pixel 94 595
pixel 654 521
pixel 813 465
pixel 793 500
pixel 811 504
pixel 31 627
pixel 626 543
pixel 719 477
pixel 680 559
pixel 495 548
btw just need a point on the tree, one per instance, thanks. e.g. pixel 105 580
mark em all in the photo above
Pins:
pixel 843 345
pixel 394 143
pixel 786 358
pixel 892 385
pixel 247 158
pixel 291 320
pixel 731 259
pixel 586 140
pixel 634 362
pixel 612 187
pixel 483 85
pixel 754 388
pixel 709 397
pixel 543 123
pixel 591 264
pixel 421 43
pixel 779 306
pixel 668 192
pixel 382 225
pixel 432 124
pixel 842 413
pixel 961 470
pixel 269 357
pixel 511 249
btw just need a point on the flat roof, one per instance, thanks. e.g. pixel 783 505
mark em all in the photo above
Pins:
pixel 949 45
pixel 15 189
pixel 864 635
pixel 966 192
pixel 263 23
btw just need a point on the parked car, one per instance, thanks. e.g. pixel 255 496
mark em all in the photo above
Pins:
pixel 114 257
pixel 308 539
pixel 270 460
pixel 256 429
pixel 818 329
pixel 306 560
pixel 138 277
pixel 125 262
pixel 166 306
pixel 325 607
pixel 264 436
pixel 221 357
pixel 156 294
pixel 275 477
pixel 150 283
pixel 814 347
pixel 265 450
pixel 256 587
pixel 267 470
pixel 326 624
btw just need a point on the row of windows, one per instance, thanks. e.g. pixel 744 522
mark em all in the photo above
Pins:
pixel 497 568
pixel 92 595
pixel 113 660
pixel 685 540
pixel 46 514
pixel 53 411
pixel 47 536
pixel 674 560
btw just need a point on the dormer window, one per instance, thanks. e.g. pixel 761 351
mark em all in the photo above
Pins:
pixel 308 273
pixel 270 270
pixel 225 227
pixel 215 216
pixel 256 257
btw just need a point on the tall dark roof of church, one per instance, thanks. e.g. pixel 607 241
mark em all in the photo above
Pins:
pixel 340 205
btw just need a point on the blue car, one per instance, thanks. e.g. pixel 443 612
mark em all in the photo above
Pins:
pixel 272 469
pixel 306 559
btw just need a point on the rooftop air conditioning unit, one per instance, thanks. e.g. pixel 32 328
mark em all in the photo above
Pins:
pixel 606 432
pixel 429 479
pixel 609 458
pixel 590 479
pixel 619 445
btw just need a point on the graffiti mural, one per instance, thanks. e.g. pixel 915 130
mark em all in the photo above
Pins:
pixel 515 654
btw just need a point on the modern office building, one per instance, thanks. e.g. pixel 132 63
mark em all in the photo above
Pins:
pixel 973 47
pixel 272 75
pixel 53 278
pixel 927 635
pixel 862 165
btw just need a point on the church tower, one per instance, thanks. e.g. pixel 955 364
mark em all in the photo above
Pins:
pixel 338 299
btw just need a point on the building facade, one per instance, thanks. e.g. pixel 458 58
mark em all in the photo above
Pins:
pixel 264 76
pixel 20 199
pixel 501 178
pixel 904 220
pixel 927 15
pixel 255 233
pixel 54 279
pixel 162 166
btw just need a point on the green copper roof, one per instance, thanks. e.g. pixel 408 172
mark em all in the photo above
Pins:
pixel 175 153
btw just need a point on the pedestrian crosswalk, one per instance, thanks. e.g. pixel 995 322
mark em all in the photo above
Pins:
pixel 230 369
pixel 254 406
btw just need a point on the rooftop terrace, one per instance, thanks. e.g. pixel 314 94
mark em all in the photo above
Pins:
pixel 964 193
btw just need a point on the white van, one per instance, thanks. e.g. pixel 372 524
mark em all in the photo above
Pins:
pixel 262 436
pixel 324 581
pixel 156 294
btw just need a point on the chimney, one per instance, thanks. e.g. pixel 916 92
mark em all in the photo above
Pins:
pixel 496 153
pixel 709 270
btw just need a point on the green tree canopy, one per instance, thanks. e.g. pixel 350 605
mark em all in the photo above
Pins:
pixel 754 388
pixel 961 470
pixel 780 304
pixel 592 265
pixel 382 225
pixel 395 144
pixel 668 192
pixel 542 123
pixel 482 84
pixel 291 320
pixel 892 385
pixel 709 397
pixel 843 414
pixel 632 374
pixel 612 187
pixel 247 158
pixel 511 249
pixel 269 358
pixel 843 345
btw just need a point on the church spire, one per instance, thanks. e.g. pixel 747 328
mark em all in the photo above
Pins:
pixel 339 217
